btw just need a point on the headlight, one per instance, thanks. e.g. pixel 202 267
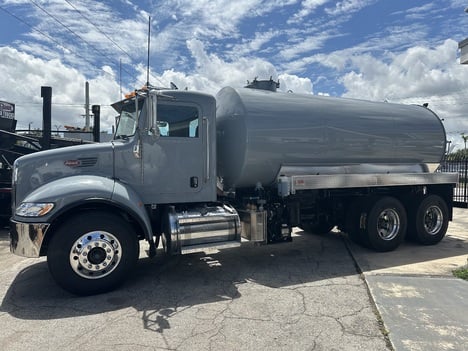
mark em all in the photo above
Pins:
pixel 34 209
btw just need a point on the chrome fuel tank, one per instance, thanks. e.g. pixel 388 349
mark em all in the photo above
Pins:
pixel 263 132
pixel 202 227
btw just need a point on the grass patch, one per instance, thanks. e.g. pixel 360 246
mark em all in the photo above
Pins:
pixel 461 273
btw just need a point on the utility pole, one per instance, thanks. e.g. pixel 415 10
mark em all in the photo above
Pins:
pixel 87 107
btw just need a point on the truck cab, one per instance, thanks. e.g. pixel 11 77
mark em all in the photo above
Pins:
pixel 87 207
pixel 165 146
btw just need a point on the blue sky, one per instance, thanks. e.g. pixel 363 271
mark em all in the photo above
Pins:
pixel 393 50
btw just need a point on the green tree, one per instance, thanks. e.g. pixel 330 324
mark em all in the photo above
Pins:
pixel 465 139
pixel 457 155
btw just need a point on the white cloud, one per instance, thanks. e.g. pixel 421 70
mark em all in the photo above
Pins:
pixel 295 84
pixel 307 7
pixel 234 73
pixel 347 7
pixel 306 45
pixel 415 76
pixel 202 19
pixel 418 71
pixel 25 74
pixel 420 11
pixel 250 47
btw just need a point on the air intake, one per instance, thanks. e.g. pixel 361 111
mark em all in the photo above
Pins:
pixel 270 85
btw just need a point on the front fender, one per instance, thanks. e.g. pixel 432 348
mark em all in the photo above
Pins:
pixel 126 197
pixel 70 192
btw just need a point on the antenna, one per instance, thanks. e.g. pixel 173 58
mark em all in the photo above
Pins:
pixel 120 78
pixel 148 62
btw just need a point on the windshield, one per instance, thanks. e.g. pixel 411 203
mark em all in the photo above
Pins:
pixel 128 119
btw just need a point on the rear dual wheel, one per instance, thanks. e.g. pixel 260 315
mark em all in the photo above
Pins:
pixel 352 221
pixel 386 224
pixel 379 223
pixel 430 222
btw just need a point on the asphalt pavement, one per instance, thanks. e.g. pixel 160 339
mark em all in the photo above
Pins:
pixel 304 295
pixel 316 293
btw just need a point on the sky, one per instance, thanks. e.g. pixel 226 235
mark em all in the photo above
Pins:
pixel 402 51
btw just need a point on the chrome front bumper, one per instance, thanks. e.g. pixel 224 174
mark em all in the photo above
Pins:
pixel 26 238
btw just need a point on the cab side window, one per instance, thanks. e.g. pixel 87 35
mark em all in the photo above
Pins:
pixel 178 121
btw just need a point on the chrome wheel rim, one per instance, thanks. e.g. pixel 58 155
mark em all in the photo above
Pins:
pixel 433 220
pixel 95 254
pixel 388 224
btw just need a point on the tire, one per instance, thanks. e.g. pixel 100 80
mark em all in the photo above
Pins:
pixel 385 224
pixel 92 253
pixel 352 222
pixel 320 228
pixel 431 220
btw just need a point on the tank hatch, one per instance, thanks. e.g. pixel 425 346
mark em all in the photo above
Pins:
pixel 270 84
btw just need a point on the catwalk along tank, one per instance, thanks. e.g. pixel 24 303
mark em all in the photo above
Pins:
pixel 264 134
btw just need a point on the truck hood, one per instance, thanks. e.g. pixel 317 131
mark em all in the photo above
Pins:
pixel 36 170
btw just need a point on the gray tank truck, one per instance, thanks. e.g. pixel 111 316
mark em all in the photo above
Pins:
pixel 191 172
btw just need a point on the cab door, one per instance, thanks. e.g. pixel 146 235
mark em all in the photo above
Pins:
pixel 176 160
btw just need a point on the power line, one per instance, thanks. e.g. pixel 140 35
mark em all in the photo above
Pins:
pixel 44 34
pixel 78 36
pixel 54 103
pixel 65 48
pixel 100 31
pixel 65 26
pixel 104 34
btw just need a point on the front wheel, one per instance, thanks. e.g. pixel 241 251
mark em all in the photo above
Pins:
pixel 92 253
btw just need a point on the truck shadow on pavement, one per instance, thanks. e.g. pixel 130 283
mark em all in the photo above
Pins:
pixel 162 287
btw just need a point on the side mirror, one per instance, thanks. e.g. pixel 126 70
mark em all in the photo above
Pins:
pixel 155 131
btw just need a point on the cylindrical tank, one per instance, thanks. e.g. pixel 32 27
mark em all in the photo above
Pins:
pixel 262 133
